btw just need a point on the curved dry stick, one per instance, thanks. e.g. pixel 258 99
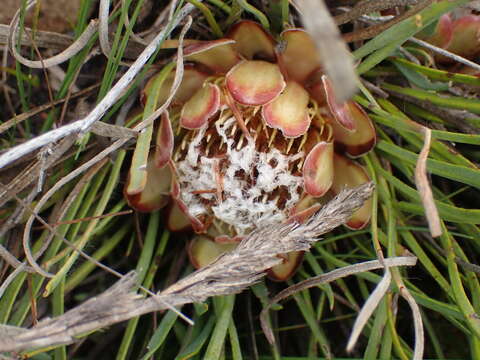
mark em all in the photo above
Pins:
pixel 446 53
pixel 327 278
pixel 44 39
pixel 59 184
pixel 417 317
pixel 102 155
pixel 368 308
pixel 65 55
pixel 423 186
pixel 103 13
pixel 12 221
pixel 32 259
pixel 103 33
pixel 26 115
pixel 157 23
pixel 83 125
pixel 13 275
pixel 229 274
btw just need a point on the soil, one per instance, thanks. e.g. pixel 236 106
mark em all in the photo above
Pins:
pixel 55 15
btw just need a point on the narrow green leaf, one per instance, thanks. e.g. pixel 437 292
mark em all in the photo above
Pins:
pixel 400 32
pixel 196 345
pixel 458 173
pixel 419 79
pixel 209 17
pixel 378 329
pixel 470 315
pixel 309 316
pixel 447 212
pixel 234 342
pixel 437 74
pixel 217 340
pixel 87 267
pixel 141 270
pixel 318 270
pixel 138 168
pixel 99 210
pixel 452 102
pixel 160 334
pixel 257 13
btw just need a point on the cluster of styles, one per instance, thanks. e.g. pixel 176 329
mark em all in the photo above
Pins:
pixel 253 137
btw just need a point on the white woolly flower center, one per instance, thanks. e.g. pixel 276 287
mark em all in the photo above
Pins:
pixel 243 205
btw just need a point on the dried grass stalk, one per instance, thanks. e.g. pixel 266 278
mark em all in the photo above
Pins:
pixel 229 274
pixel 424 189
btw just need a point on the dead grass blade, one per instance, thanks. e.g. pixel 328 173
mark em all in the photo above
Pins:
pixel 32 172
pixel 103 13
pixel 423 186
pixel 113 131
pixel 32 259
pixel 43 39
pixel 417 317
pixel 65 55
pixel 327 278
pixel 446 53
pixel 368 309
pixel 229 274
pixel 28 114
pixel 84 125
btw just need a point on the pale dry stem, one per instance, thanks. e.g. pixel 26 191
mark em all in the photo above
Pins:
pixel 368 7
pixel 446 53
pixel 230 273
pixel 423 186
pixel 66 54
pixel 85 124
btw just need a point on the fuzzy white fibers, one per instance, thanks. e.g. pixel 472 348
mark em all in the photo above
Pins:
pixel 243 205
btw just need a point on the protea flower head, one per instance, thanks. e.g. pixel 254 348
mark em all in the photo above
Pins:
pixel 254 137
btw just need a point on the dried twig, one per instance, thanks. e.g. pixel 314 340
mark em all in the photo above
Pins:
pixel 369 307
pixel 374 30
pixel 58 42
pixel 446 53
pixel 83 125
pixel 31 173
pixel 113 131
pixel 103 27
pixel 66 54
pixel 44 39
pixel 417 317
pixel 229 274
pixel 368 7
pixel 329 277
pixel 28 114
pixel 133 36
pixel 32 258
pixel 89 218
